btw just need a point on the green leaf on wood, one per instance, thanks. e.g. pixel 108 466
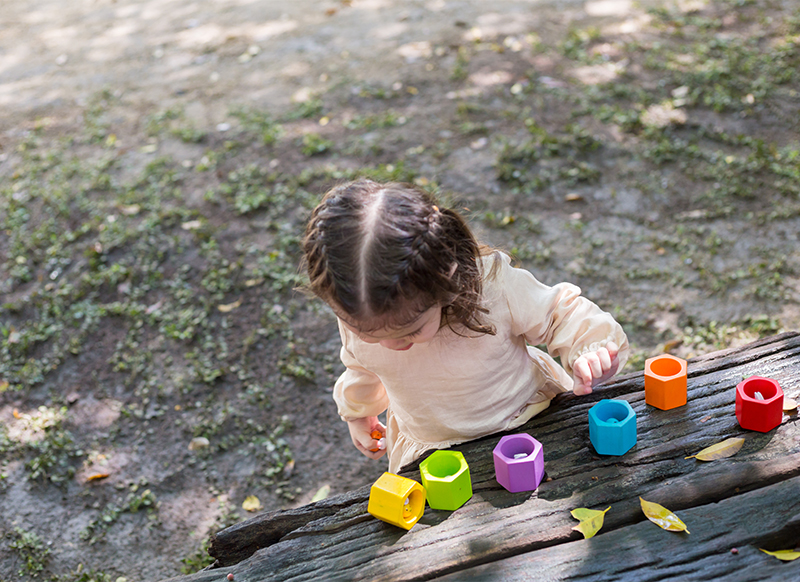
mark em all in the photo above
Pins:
pixel 722 450
pixel 662 517
pixel 591 520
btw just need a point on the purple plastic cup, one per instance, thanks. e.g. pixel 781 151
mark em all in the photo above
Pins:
pixel 519 462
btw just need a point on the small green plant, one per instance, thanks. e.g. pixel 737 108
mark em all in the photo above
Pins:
pixel 81 575
pixel 52 447
pixel 259 122
pixel 188 133
pixel 577 43
pixel 378 120
pixel 461 68
pixel 197 560
pixel 306 109
pixel 53 457
pixel 31 549
pixel 135 501
pixel 156 123
pixel 249 188
pixel 96 123
pixel 314 144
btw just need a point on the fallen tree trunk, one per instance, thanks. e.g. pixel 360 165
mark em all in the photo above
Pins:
pixel 336 539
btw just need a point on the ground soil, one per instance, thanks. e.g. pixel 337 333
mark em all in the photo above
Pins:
pixel 456 74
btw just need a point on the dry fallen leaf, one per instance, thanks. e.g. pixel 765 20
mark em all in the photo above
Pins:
pixel 198 443
pixel 191 225
pixel 785 555
pixel 251 503
pixel 789 404
pixel 129 209
pixel 591 520
pixel 97 476
pixel 662 517
pixel 722 450
pixel 230 306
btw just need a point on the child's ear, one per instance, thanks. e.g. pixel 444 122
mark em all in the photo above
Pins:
pixel 453 269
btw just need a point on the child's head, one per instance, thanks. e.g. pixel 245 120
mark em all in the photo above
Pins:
pixel 382 255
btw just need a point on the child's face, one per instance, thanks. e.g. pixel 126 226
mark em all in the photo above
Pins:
pixel 419 331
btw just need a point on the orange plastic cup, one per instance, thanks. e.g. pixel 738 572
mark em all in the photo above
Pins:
pixel 665 382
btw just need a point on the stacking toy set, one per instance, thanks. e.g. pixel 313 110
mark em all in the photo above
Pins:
pixel 519 458
pixel 446 484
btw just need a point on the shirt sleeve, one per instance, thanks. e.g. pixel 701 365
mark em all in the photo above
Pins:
pixel 559 317
pixel 358 393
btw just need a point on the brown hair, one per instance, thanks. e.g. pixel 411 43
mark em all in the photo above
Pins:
pixel 379 253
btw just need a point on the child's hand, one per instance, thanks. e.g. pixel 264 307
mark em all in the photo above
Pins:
pixel 595 367
pixel 362 432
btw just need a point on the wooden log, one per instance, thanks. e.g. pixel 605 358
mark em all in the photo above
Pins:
pixel 234 544
pixel 644 552
pixel 337 540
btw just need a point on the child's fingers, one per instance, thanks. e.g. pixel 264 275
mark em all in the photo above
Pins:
pixel 597 360
pixel 597 363
pixel 375 455
pixel 582 374
pixel 366 434
pixel 613 350
pixel 604 360
pixel 366 449
pixel 594 368
pixel 581 388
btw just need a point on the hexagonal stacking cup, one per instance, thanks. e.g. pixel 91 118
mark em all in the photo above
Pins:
pixel 665 382
pixel 519 462
pixel 754 413
pixel 445 476
pixel 612 427
pixel 397 500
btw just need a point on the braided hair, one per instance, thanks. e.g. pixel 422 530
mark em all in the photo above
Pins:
pixel 381 254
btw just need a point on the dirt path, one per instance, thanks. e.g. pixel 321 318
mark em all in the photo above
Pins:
pixel 157 160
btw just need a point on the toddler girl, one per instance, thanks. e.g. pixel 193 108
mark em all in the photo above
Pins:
pixel 438 331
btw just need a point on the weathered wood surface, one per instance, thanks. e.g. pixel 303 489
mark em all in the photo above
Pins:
pixel 645 553
pixel 750 500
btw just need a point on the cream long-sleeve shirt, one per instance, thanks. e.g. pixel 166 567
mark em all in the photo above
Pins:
pixel 455 388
